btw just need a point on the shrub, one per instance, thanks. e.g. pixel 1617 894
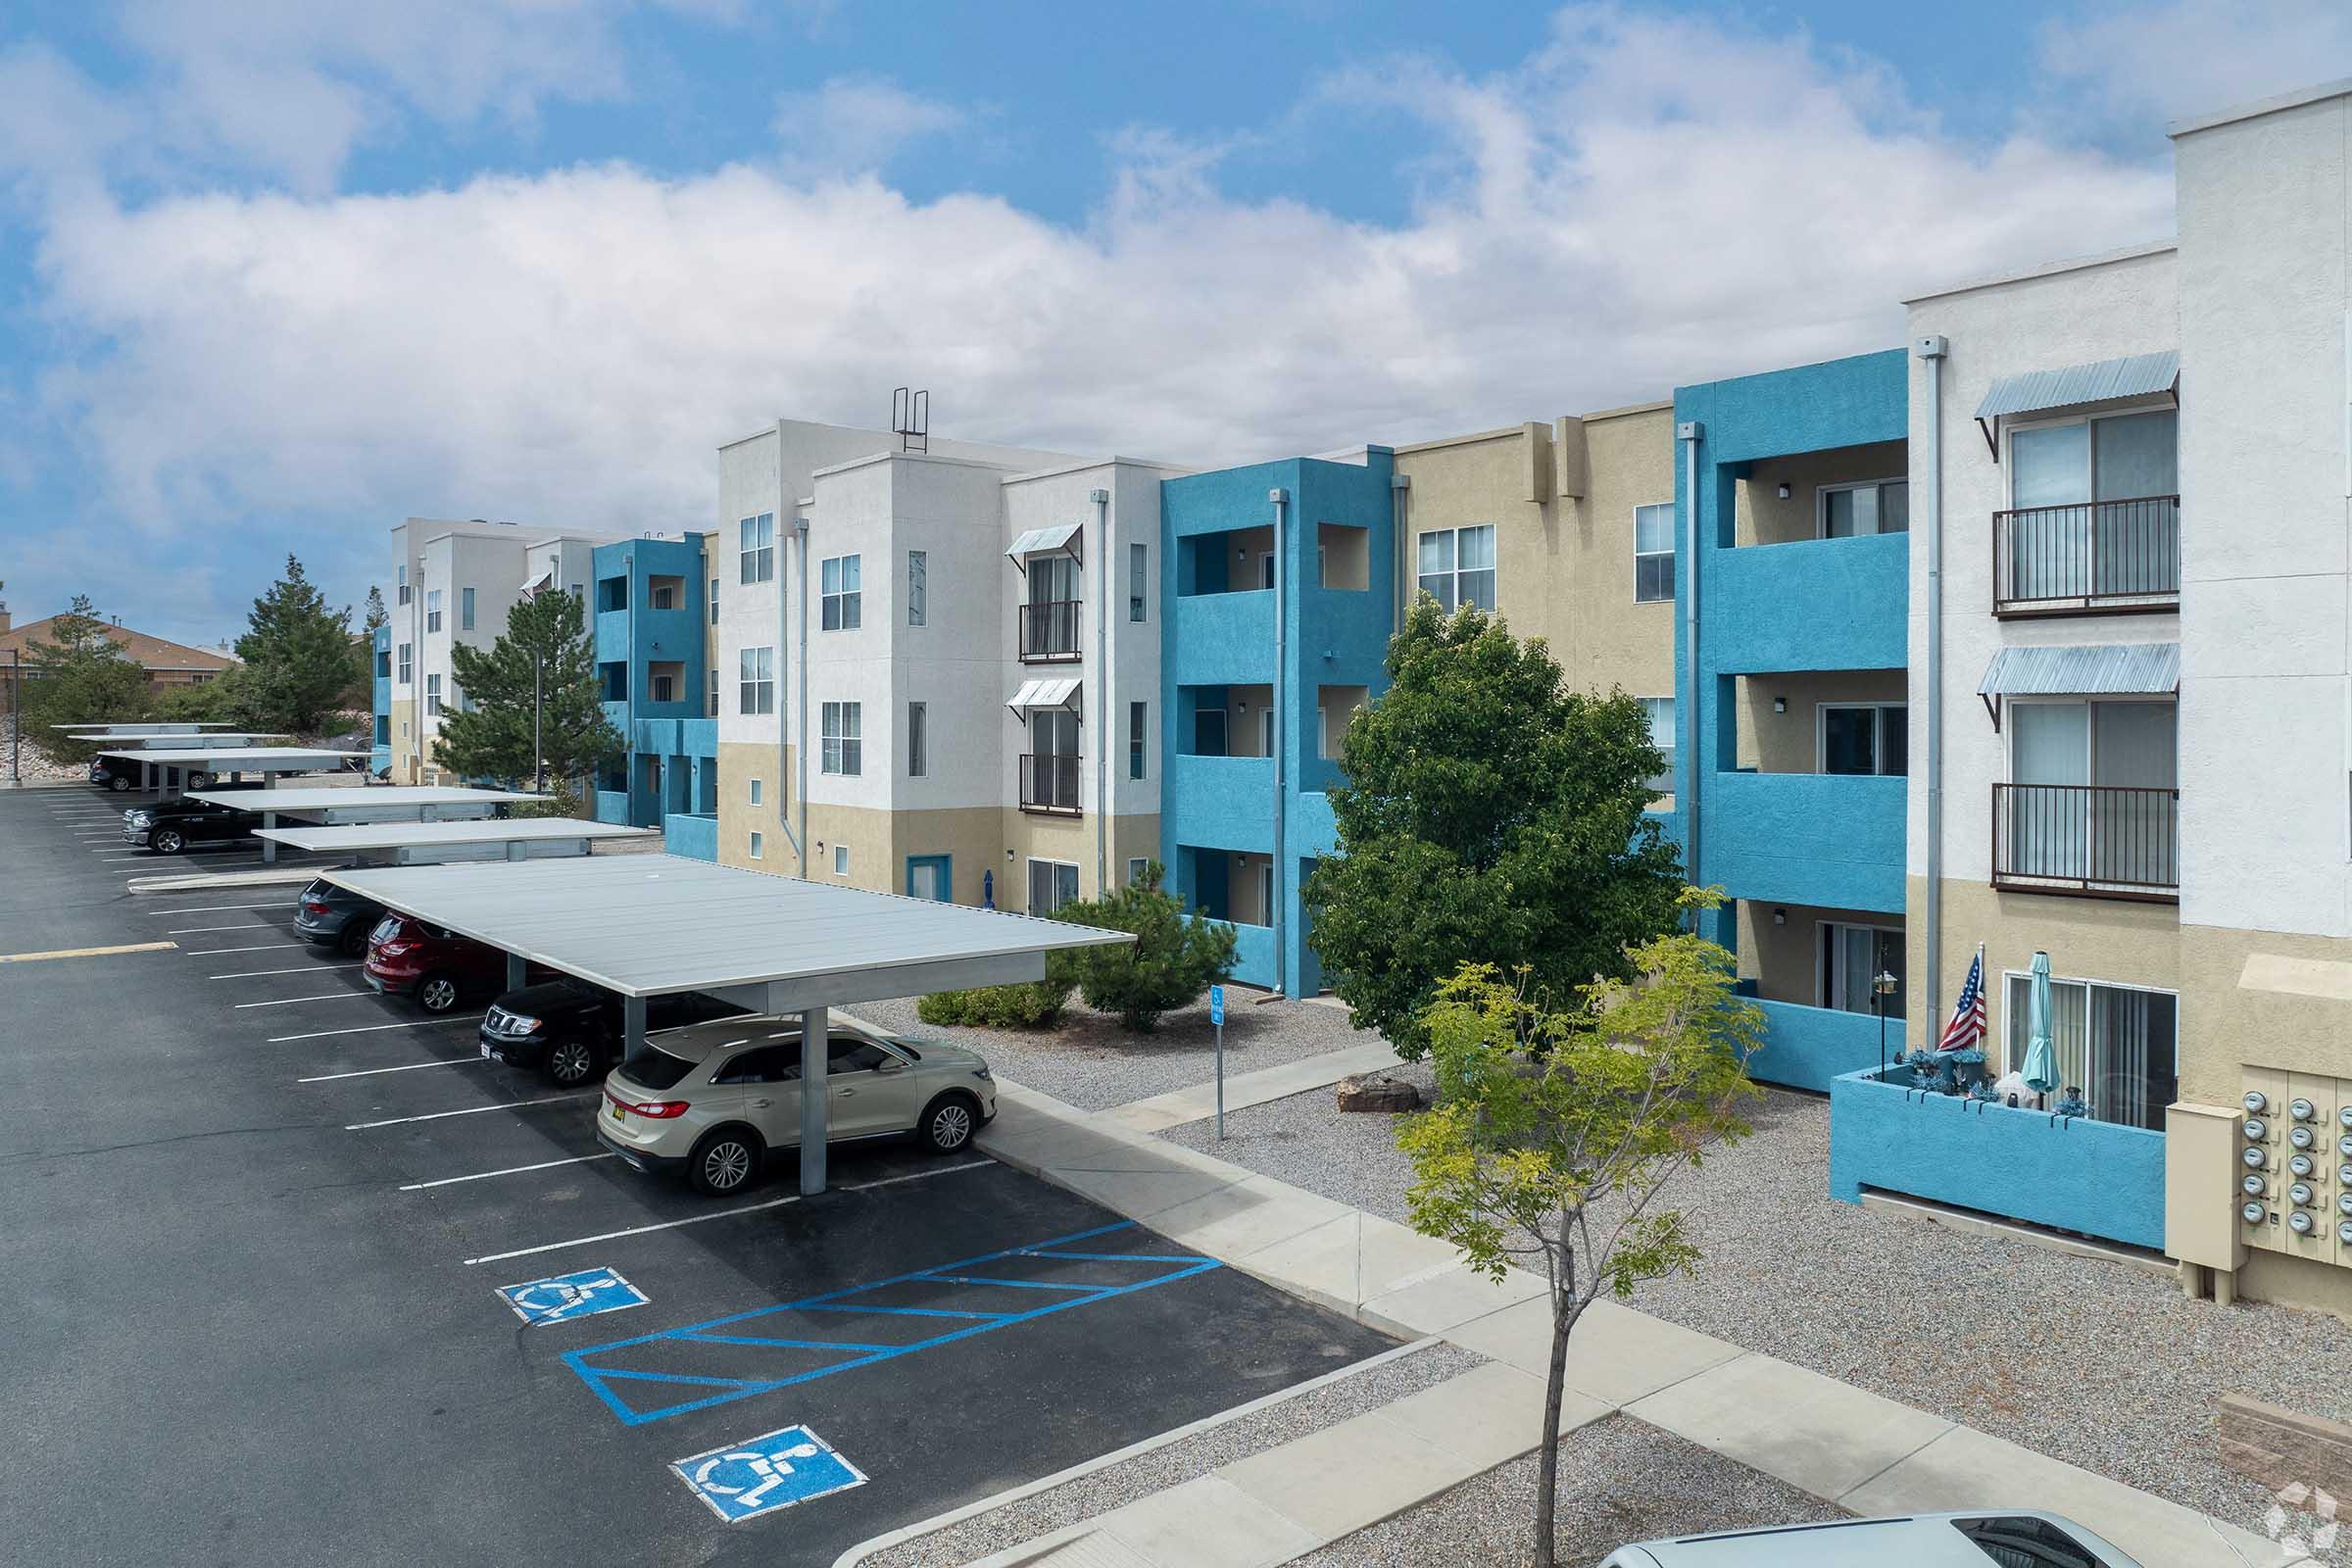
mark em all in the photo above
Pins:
pixel 1173 960
pixel 1036 1005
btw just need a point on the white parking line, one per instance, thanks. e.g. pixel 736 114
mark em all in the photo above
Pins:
pixel 363 1029
pixel 724 1213
pixel 511 1170
pixel 258 947
pixel 370 1072
pixel 191 930
pixel 288 1002
pixel 469 1111
pixel 300 969
pixel 213 908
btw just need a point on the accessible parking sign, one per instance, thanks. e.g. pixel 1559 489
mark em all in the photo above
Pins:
pixel 745 1480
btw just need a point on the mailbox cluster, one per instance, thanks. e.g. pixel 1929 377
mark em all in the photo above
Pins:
pixel 2295 1182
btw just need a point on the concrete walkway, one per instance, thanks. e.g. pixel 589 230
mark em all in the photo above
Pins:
pixel 1862 1453
pixel 1199 1102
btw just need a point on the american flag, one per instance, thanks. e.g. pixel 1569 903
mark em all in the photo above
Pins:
pixel 1967 1027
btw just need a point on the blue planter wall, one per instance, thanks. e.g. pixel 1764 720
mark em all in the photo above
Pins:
pixel 695 836
pixel 1808 1047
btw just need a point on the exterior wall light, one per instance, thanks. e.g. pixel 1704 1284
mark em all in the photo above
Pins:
pixel 1780 705
pixel 1783 492
pixel 1780 917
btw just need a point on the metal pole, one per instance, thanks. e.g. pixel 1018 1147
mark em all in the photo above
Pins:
pixel 16 725
pixel 814 1109
pixel 1930 349
pixel 1102 703
pixel 538 752
pixel 1220 1077
pixel 1277 917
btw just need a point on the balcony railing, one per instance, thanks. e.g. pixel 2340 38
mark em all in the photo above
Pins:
pixel 1049 630
pixel 2097 556
pixel 2102 840
pixel 1049 783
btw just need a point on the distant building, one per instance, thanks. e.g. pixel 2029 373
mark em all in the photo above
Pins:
pixel 166 663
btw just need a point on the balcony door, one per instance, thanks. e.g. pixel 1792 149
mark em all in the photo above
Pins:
pixel 2094 794
pixel 1852 957
pixel 1050 620
pixel 2097 508
pixel 1053 745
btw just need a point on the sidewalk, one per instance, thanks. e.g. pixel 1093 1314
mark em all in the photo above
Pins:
pixel 1863 1453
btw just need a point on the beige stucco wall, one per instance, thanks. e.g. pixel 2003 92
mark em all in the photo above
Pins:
pixel 739 762
pixel 1763 517
pixel 1787 743
pixel 404 740
pixel 2109 939
pixel 1784 961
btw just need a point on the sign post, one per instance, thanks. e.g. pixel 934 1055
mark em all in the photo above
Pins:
pixel 1216 1015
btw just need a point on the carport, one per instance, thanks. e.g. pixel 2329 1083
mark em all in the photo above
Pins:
pixel 167 764
pixel 178 739
pixel 370 803
pixel 647 925
pixel 147 726
pixel 435 843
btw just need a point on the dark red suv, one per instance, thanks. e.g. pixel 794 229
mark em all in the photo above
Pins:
pixel 406 957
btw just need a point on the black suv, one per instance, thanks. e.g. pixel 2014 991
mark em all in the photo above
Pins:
pixel 336 917
pixel 572 1030
pixel 170 826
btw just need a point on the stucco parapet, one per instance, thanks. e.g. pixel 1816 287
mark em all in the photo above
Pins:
pixel 2301 97
pixel 2052 268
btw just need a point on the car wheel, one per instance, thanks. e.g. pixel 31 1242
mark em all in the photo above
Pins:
pixel 436 993
pixel 725 1161
pixel 949 1124
pixel 354 941
pixel 572 1062
pixel 119 783
pixel 168 842
pixel 198 781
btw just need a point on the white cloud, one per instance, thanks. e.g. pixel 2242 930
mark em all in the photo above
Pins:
pixel 1647 201
pixel 2146 63
pixel 856 125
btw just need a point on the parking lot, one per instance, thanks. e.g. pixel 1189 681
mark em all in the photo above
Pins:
pixel 296 1276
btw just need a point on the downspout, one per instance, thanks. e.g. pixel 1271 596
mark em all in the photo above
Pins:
pixel 1931 349
pixel 1685 785
pixel 1276 916
pixel 1399 485
pixel 1102 726
pixel 800 701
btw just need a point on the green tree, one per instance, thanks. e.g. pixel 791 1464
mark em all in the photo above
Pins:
pixel 1172 961
pixel 78 675
pixel 374 614
pixel 1554 1133
pixel 1486 815
pixel 491 737
pixel 298 653
pixel 228 698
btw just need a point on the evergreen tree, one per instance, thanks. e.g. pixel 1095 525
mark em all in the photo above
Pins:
pixel 78 675
pixel 375 615
pixel 490 735
pixel 298 653
pixel 1173 960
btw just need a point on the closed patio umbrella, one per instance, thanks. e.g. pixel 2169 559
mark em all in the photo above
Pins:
pixel 2039 1070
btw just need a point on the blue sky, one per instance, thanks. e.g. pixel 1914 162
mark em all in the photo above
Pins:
pixel 275 273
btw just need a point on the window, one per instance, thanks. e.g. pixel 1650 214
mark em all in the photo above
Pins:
pixel 1863 738
pixel 2097 510
pixel 844 751
pixel 758 790
pixel 1661 735
pixel 465 610
pixel 1456 567
pixel 714 600
pixel 755 691
pixel 919 739
pixel 662 595
pixel 846 1054
pixel 401 594
pixel 433 609
pixel 1134 739
pixel 1052 884
pixel 762 1064
pixel 1858 510
pixel 665 688
pixel 843 603
pixel 1654 553
pixel 1852 956
pixel 712 688
pixel 841 860
pixel 1265 569
pixel 2094 794
pixel 1135 583
pixel 918 588
pixel 2114 1043
pixel 755 842
pixel 407 663
pixel 432 694
pixel 579 593
pixel 756 538
pixel 1135 869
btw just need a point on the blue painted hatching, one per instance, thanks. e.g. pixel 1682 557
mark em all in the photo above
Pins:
pixel 744 1480
pixel 567 1297
pixel 649 1364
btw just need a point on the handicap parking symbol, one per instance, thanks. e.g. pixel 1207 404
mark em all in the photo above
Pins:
pixel 745 1480
pixel 569 1296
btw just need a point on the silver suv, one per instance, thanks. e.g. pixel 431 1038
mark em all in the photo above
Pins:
pixel 2022 1538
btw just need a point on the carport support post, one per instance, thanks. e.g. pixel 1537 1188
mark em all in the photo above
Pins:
pixel 269 846
pixel 517 977
pixel 813 1102
pixel 632 1014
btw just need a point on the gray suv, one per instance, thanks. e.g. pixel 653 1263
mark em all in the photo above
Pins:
pixel 2022 1538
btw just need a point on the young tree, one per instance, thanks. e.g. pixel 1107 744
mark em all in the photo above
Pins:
pixel 490 736
pixel 298 653
pixel 1486 815
pixel 374 614
pixel 1553 1134
pixel 78 675
pixel 1171 962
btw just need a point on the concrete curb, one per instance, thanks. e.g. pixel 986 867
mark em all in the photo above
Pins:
pixel 209 881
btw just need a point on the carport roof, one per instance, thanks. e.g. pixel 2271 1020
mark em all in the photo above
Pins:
pixel 243 758
pixel 418 835
pixel 646 924
pixel 376 797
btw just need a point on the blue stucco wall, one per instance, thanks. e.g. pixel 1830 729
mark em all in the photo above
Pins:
pixel 1812 604
pixel 2091 1177
pixel 1828 839
pixel 380 751
pixel 1226 639
pixel 694 837
pixel 1806 1048
pixel 1220 803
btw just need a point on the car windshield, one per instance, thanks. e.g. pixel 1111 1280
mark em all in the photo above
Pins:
pixel 654 1068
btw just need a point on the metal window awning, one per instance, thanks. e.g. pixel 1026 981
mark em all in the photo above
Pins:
pixel 531 586
pixel 2090 669
pixel 1059 539
pixel 2133 376
pixel 1058 692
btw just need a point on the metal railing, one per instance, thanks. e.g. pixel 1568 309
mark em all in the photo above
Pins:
pixel 1050 782
pixel 1049 630
pixel 2099 839
pixel 2090 556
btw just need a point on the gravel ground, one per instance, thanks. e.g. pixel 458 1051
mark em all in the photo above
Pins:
pixel 1181 1461
pixel 1620 1481
pixel 1090 1062
pixel 2097 1363
pixel 38 768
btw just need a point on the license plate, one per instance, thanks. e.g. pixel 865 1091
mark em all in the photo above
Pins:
pixel 620 1112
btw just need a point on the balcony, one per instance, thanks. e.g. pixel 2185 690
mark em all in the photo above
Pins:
pixel 2098 557
pixel 1224 639
pixel 2090 839
pixel 1224 803
pixel 1049 631
pixel 1813 604
pixel 1808 1047
pixel 1828 839
pixel 1049 783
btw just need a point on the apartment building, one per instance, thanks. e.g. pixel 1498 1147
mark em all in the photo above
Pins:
pixel 648 612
